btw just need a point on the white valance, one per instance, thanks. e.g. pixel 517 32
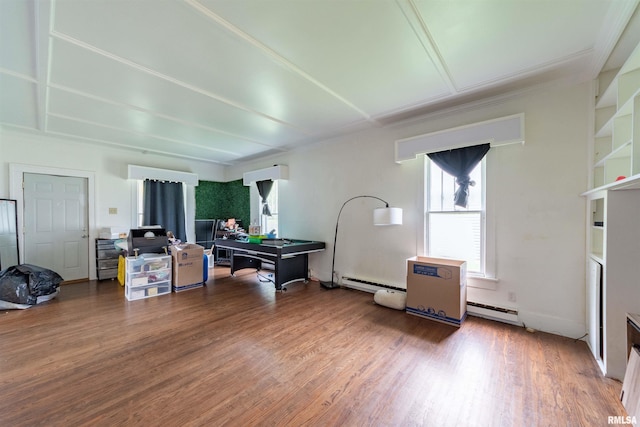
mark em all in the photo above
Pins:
pixel 144 172
pixel 497 132
pixel 272 173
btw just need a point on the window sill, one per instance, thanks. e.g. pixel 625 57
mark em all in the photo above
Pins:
pixel 482 282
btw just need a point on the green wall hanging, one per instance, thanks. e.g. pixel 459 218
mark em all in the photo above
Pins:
pixel 223 200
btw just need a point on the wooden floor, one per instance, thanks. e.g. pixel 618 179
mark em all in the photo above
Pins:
pixel 237 353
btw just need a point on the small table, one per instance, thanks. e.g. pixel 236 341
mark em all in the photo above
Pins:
pixel 289 257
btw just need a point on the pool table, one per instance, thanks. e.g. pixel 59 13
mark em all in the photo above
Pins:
pixel 289 257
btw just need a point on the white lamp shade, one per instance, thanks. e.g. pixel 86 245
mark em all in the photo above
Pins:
pixel 387 216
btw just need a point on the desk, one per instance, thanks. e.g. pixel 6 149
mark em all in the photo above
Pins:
pixel 289 257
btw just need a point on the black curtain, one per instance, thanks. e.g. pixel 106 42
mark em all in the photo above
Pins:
pixel 264 188
pixel 459 163
pixel 164 206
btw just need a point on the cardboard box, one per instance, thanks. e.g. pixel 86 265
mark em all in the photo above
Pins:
pixel 437 289
pixel 113 233
pixel 187 266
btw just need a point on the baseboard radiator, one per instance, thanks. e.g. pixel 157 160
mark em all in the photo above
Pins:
pixel 500 314
pixel 367 285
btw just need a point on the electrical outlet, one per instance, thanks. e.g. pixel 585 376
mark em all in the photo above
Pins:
pixel 113 211
pixel 512 297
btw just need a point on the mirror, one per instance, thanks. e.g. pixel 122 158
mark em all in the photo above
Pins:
pixel 9 254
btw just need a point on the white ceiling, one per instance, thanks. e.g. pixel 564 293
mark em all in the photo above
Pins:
pixel 225 81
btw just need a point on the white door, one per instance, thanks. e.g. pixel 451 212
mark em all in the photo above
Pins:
pixel 55 224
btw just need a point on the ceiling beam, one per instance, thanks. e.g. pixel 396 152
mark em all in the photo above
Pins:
pixel 416 22
pixel 43 21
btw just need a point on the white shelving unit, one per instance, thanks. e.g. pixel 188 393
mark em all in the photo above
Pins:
pixel 617 121
pixel 613 229
pixel 147 275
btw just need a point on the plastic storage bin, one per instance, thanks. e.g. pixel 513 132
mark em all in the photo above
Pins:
pixel 148 275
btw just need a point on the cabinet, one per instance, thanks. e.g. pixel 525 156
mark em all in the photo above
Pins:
pixel 615 245
pixel 147 275
pixel 613 222
pixel 107 259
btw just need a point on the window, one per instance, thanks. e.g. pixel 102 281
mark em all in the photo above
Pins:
pixel 269 223
pixel 452 231
pixel 169 214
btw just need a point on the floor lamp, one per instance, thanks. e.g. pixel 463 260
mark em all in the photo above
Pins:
pixel 381 216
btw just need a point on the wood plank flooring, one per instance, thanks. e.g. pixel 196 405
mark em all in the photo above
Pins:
pixel 236 353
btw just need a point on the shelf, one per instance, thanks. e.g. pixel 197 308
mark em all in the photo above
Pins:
pixel 602 148
pixel 132 294
pixel 624 151
pixel 613 147
pixel 604 121
pixel 627 87
pixel 142 281
pixel 629 183
pixel 610 95
pixel 622 131
pixel 151 284
pixel 625 110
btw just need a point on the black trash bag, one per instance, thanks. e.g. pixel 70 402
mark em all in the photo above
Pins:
pixel 23 284
pixel 14 287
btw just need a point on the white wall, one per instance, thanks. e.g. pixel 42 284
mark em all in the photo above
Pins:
pixel 112 188
pixel 534 193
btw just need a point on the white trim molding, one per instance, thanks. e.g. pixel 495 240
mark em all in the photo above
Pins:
pixel 144 172
pixel 502 131
pixel 274 172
